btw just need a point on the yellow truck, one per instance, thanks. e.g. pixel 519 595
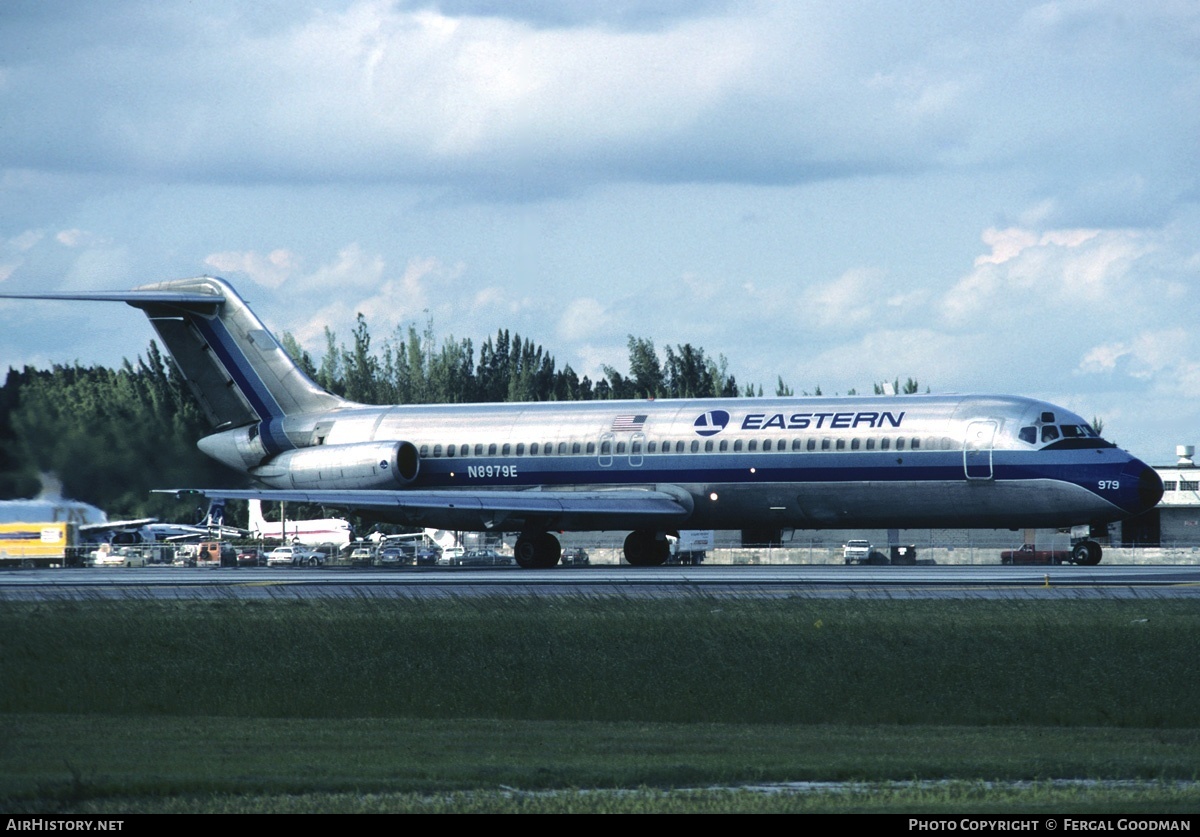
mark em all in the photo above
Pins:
pixel 36 544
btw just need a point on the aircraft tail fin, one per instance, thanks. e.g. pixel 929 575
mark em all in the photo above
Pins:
pixel 237 370
pixel 256 522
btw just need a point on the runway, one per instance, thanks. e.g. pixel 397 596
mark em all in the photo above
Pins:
pixel 812 581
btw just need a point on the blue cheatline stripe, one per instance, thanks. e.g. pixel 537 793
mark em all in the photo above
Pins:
pixel 724 468
pixel 247 380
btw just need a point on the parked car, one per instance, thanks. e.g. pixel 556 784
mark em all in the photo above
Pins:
pixel 575 557
pixel 392 556
pixel 484 558
pixel 250 556
pixel 294 556
pixel 451 557
pixel 362 556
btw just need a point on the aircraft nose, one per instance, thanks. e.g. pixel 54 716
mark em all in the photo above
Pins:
pixel 1148 485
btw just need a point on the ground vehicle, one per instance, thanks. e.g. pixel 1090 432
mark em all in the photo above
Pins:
pixel 294 556
pixel 1029 554
pixel 105 556
pixel 450 556
pixel 483 558
pixel 392 556
pixel 216 554
pixel 36 544
pixel 575 557
pixel 857 552
pixel 426 556
pixel 250 556
pixel 362 556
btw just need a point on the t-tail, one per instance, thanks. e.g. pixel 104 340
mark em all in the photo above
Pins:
pixel 241 376
pixel 235 367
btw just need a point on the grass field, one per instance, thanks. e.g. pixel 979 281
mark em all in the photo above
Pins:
pixel 480 703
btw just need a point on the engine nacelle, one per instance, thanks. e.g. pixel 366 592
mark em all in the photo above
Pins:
pixel 364 465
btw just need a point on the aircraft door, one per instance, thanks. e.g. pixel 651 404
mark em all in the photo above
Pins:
pixel 977 449
pixel 637 443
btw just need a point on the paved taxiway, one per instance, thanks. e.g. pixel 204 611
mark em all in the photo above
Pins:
pixel 861 582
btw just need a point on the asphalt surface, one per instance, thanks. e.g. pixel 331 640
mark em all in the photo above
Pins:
pixel 814 581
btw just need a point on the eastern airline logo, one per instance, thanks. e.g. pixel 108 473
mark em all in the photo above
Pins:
pixel 711 423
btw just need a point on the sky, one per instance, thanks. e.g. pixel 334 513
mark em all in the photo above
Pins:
pixel 998 197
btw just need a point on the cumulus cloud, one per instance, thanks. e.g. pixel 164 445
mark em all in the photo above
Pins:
pixel 1028 274
pixel 269 271
pixel 583 319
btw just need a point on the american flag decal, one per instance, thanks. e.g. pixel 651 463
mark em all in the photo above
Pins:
pixel 629 422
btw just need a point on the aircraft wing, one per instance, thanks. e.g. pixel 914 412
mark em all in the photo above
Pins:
pixel 116 524
pixel 500 510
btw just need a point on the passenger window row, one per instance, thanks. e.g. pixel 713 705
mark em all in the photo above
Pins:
pixel 637 447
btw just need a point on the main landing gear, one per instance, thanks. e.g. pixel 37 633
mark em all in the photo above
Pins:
pixel 1086 553
pixel 541 550
pixel 537 551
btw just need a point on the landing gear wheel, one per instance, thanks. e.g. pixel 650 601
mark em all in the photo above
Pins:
pixel 644 548
pixel 1086 553
pixel 537 551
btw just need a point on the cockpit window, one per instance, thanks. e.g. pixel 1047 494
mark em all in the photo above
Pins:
pixel 1049 433
pixel 1028 435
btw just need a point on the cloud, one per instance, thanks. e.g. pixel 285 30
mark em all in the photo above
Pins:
pixel 269 271
pixel 583 319
pixel 1028 274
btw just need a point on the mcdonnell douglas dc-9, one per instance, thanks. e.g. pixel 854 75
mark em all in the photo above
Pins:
pixel 652 467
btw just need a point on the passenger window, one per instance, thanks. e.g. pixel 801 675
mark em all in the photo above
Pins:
pixel 708 446
pixel 841 444
pixel 812 444
pixel 724 445
pixel 679 447
pixel 424 450
pixel 606 448
pixel 520 449
pixel 464 450
pixel 915 444
pixel 562 448
pixel 752 444
pixel 437 450
pixel 825 444
pixel 449 450
pixel 506 450
pixel 695 446
pixel 492 449
pixel 899 444
pixel 737 445
pixel 870 444
pixel 766 444
pixel 479 450
pixel 781 444
pixel 797 444
pixel 620 447
pixel 885 443
pixel 854 444
pixel 533 449
pixel 651 447
pixel 591 448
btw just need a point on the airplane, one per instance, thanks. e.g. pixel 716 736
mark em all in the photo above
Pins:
pixel 312 532
pixel 94 526
pixel 653 467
